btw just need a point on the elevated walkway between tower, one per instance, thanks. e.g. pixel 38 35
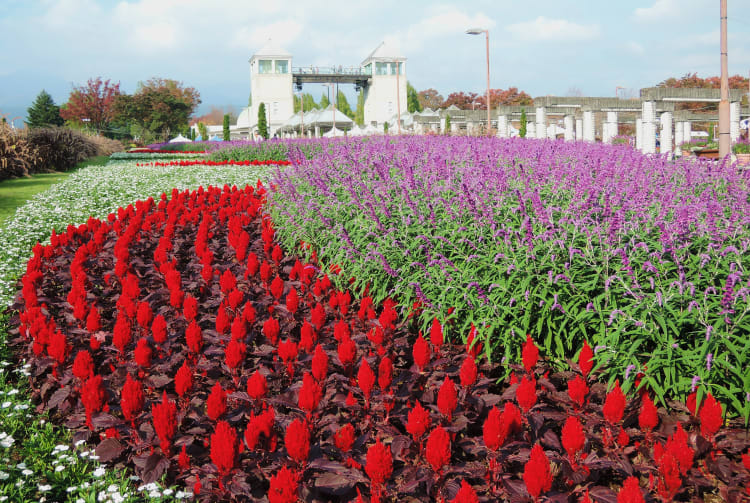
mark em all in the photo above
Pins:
pixel 330 74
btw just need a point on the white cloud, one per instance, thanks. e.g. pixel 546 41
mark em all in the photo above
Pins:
pixel 557 30
pixel 283 34
pixel 635 47
pixel 156 36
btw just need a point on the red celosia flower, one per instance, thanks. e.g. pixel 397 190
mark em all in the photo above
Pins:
pixel 365 378
pixel 468 372
pixel 421 353
pixel 277 254
pixel 623 439
pixel 586 359
pixel 511 417
pixel 376 335
pixel 183 381
pixel 257 387
pixel 529 354
pixel 271 330
pixel 144 316
pixel 536 473
pixel 143 353
pixel 385 373
pixel 260 424
pixel 318 316
pixel 710 414
pixel 347 351
pixel 526 393
pixel 121 335
pixel 265 272
pixel 131 399
pixel 343 301
pixel 93 396
pixel 690 403
pixel 306 337
pixel 745 460
pixel 189 307
pixel 297 441
pixel 447 398
pixel 227 282
pixel 248 313
pixel 350 400
pixel 438 448
pixel 492 430
pixel 379 464
pixel 573 437
pixel 586 498
pixel 436 334
pixel 277 287
pixel 418 421
pixel 614 404
pixel 194 337
pixel 577 391
pixel 235 298
pixel 630 492
pixel 466 494
pixel 678 446
pixel 648 417
pixel 344 437
pixel 319 363
pixel 224 447
pixel 341 330
pixel 288 353
pixel 292 301
pixel 183 461
pixel 669 471
pixel 473 348
pixel 83 365
pixel 310 393
pixel 235 353
pixel 165 422
pixel 222 320
pixel 93 321
pixel 58 347
pixel 284 486
pixel 216 403
pixel 159 329
pixel 252 265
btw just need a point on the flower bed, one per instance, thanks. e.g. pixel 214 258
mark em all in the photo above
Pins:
pixel 163 151
pixel 203 162
pixel 643 257
pixel 177 339
pixel 150 156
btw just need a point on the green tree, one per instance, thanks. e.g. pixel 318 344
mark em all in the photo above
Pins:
pixel 359 114
pixel 262 122
pixel 324 101
pixel 447 124
pixel 412 99
pixel 342 104
pixel 522 128
pixel 385 127
pixel 226 127
pixel 203 130
pixel 192 133
pixel 43 112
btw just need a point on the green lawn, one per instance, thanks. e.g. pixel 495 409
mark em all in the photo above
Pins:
pixel 15 192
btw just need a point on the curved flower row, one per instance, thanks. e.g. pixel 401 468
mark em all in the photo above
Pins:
pixel 203 162
pixel 179 338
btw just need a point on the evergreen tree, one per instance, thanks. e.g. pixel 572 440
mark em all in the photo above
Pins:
pixel 43 112
pixel 262 121
pixel 226 128
pixel 412 99
pixel 447 124
pixel 324 101
pixel 192 134
pixel 203 130
pixel 359 114
pixel 522 128
pixel 385 127
pixel 342 104
pixel 309 102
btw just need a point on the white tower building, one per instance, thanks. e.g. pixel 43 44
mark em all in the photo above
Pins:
pixel 387 85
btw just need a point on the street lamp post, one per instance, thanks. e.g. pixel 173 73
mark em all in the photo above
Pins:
pixel 724 136
pixel 331 85
pixel 302 108
pixel 478 31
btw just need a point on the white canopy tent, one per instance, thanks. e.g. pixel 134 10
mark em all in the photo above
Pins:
pixel 180 139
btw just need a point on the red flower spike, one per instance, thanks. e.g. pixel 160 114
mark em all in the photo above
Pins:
pixel 573 437
pixel 529 354
pixel 630 492
pixel 385 373
pixel 623 439
pixel 421 353
pixel 347 351
pixel 468 374
pixel 438 449
pixel 227 282
pixel 121 334
pixel 292 301
pixel 690 403
pixel 365 379
pixel 746 460
pixel 614 405
pixel 235 298
pixel 277 254
pixel 436 334
pixel 447 398
pixel 350 400
pixel 670 481
pixel 494 430
pixel 194 337
pixel 710 415
pixel 473 348
pixel 586 359
pixel 189 307
pixel 284 486
pixel 257 387
pixel 577 391
pixel 648 417
pixel 216 403
pixel 83 365
pixel 678 446
pixel 93 396
pixel 165 422
pixel 248 313
pixel 265 272
pixel 344 438
pixel 143 353
pixel 271 330
pixel 307 337
pixel 222 320
pixel 318 316
pixel 319 364
pixel 297 441
pixel 183 461
pixel 288 352
pixel 93 321
pixel 224 447
pixel 418 421
pixel 465 494
pixel 277 287
pixel 131 399
pixel 379 464
pixel 252 265
pixel 341 330
pixel 536 473
pixel 309 394
pixel 159 329
pixel 235 353
pixel 526 393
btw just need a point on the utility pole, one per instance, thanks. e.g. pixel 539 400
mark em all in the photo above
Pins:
pixel 724 137
pixel 398 96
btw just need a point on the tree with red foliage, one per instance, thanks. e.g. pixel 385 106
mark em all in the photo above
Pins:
pixel 92 103
pixel 430 98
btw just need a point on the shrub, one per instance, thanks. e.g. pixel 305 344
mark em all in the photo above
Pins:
pixel 60 149
pixel 741 147
pixel 17 156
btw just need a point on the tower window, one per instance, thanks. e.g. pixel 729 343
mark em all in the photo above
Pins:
pixel 265 66
pixel 282 66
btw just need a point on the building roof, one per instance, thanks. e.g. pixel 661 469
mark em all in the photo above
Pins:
pixel 384 52
pixel 271 50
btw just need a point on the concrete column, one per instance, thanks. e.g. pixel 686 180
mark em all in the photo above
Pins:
pixel 588 126
pixel 530 130
pixel 610 127
pixel 678 128
pixel 551 132
pixel 317 131
pixel 639 134
pixel 541 123
pixel 648 115
pixel 502 126
pixel 570 133
pixel 666 133
pixel 579 129
pixel 687 132
pixel 734 121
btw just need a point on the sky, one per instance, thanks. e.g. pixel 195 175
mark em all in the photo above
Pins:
pixel 543 47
